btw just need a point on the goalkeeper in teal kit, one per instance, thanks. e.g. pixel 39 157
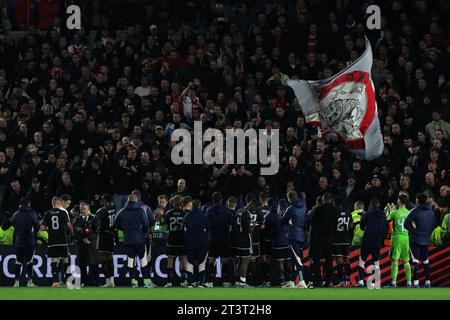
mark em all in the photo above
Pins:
pixel 400 240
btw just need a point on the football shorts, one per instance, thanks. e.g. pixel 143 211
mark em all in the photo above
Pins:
pixel 399 251
pixel 341 250
pixel 280 253
pixel 58 251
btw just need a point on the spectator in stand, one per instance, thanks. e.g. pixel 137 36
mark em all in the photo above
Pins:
pixel 102 112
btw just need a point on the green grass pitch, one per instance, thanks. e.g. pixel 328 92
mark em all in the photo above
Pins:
pixel 122 293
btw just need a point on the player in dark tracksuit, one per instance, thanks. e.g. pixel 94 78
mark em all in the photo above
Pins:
pixel 231 204
pixel 277 232
pixel 134 223
pixel 103 224
pixel 146 271
pixel 295 218
pixel 260 268
pixel 323 229
pixel 219 226
pixel 196 244
pixel 26 225
pixel 375 227
pixel 420 224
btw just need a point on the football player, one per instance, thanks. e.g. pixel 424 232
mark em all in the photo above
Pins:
pixel 26 225
pixel 134 223
pixel 56 221
pixel 219 225
pixel 295 218
pixel 265 241
pixel 175 242
pixel 399 249
pixel 103 222
pixel 243 241
pixel 420 223
pixel 276 231
pixel 341 246
pixel 196 242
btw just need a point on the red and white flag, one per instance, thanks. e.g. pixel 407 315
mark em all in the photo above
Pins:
pixel 345 105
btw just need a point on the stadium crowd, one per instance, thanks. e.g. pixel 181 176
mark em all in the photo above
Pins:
pixel 81 117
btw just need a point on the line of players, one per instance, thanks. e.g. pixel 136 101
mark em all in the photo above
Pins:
pixel 257 241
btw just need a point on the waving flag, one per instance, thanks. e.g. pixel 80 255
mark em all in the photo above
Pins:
pixel 345 105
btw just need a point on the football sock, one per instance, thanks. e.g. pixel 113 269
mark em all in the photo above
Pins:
pixel 66 271
pixel 202 271
pixel 183 276
pixel 152 274
pixel 278 269
pixel 211 270
pixel 394 272
pixel 361 273
pixel 30 271
pixel 287 270
pixel 266 272
pixel 110 266
pixel 416 270
pixel 105 269
pixel 190 277
pixel 407 268
pixel 340 271
pixel 17 270
pixel 201 274
pixel 54 266
pixel 132 269
pixel 329 271
pixel 146 272
pixel 347 271
pixel 258 275
pixel 190 268
pixel 311 275
pixel 300 274
pixel 225 269
pixel 94 274
pixel 231 271
pixel 133 272
pixel 294 274
pixel 170 275
pixel 253 271
pixel 426 269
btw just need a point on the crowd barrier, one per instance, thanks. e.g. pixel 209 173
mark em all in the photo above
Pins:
pixel 439 262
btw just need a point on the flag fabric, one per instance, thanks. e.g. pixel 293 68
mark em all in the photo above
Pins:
pixel 345 105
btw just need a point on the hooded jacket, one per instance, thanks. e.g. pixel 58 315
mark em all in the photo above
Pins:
pixel 196 229
pixel 133 220
pixel 324 223
pixel 424 221
pixel 375 227
pixel 295 218
pixel 276 230
pixel 26 225
pixel 219 223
